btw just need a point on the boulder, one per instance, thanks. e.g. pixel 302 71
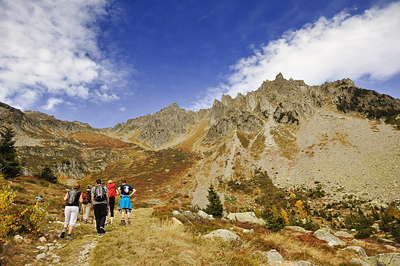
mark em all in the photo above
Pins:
pixel 387 259
pixel 359 261
pixel 40 256
pixel 191 216
pixel 246 217
pixel 176 221
pixel 204 215
pixel 225 235
pixel 18 238
pixel 274 256
pixel 343 234
pixel 359 250
pixel 180 217
pixel 332 240
pixel 298 229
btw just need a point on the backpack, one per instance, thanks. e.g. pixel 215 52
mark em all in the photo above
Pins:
pixel 71 196
pixel 111 190
pixel 99 193
pixel 86 197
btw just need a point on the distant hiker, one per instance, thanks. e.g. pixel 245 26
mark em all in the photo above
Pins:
pixel 87 199
pixel 100 206
pixel 125 205
pixel 73 198
pixel 111 195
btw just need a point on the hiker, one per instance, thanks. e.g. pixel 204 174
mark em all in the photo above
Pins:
pixel 87 199
pixel 126 191
pixel 100 205
pixel 111 195
pixel 73 197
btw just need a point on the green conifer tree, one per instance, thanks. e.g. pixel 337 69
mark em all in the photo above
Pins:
pixel 214 206
pixel 10 166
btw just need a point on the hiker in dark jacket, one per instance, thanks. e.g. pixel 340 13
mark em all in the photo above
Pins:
pixel 100 206
pixel 73 198
pixel 86 205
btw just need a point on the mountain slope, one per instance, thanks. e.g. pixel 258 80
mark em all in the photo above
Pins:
pixel 337 135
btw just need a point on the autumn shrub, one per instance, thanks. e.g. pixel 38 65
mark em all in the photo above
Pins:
pixel 33 218
pixel 274 219
pixel 8 218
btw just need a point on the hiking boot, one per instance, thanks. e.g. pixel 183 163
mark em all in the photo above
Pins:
pixel 85 222
pixel 129 222
pixel 69 238
pixel 102 230
pixel 63 233
pixel 122 222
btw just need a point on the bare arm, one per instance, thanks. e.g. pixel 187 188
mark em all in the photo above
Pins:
pixel 133 191
pixel 80 198
pixel 92 196
pixel 66 196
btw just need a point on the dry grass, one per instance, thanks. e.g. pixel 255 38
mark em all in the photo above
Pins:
pixel 150 241
pixel 99 140
pixel 286 141
pixel 258 146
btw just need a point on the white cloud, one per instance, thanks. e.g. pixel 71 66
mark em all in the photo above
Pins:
pixel 365 46
pixel 122 109
pixel 51 103
pixel 50 47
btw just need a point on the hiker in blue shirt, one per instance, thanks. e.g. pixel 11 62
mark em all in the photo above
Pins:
pixel 73 197
pixel 126 191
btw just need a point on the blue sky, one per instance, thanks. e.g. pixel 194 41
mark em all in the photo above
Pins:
pixel 105 61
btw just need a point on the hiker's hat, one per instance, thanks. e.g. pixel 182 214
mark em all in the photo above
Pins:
pixel 89 186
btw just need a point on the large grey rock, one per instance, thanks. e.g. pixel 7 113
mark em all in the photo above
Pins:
pixel 191 216
pixel 359 250
pixel 225 235
pixel 332 240
pixel 178 215
pixel 40 256
pixel 273 256
pixel 246 217
pixel 204 215
pixel 387 259
pixel 298 229
pixel 359 262
pixel 343 234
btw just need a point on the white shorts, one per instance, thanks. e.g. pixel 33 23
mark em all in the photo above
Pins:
pixel 71 215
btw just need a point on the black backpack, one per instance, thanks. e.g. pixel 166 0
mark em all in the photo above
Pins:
pixel 99 193
pixel 71 196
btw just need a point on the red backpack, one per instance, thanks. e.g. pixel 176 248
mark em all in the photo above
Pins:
pixel 85 197
pixel 111 190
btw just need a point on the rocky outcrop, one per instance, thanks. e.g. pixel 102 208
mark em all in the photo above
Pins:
pixel 324 234
pixel 160 128
pixel 243 217
pixel 387 259
pixel 225 235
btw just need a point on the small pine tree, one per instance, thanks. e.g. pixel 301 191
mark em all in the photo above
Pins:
pixel 48 175
pixel 214 206
pixel 10 166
